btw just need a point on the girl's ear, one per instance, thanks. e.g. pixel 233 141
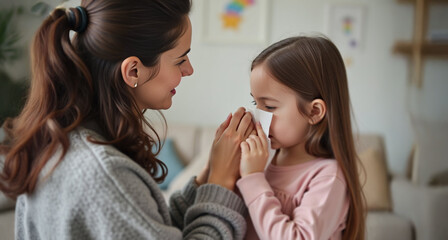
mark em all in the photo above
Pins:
pixel 318 111
pixel 129 71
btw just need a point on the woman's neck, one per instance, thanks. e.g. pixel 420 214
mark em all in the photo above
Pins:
pixel 292 156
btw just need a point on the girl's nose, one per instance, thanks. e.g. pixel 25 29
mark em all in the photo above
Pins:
pixel 186 69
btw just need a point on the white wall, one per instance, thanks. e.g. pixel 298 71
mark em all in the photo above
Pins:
pixel 378 80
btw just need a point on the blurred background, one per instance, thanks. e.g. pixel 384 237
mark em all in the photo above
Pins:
pixel 384 100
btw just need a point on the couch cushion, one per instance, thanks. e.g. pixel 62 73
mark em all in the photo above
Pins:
pixel 7 225
pixel 169 156
pixel 431 139
pixel 387 226
pixel 367 141
pixel 5 203
pixel 374 180
pixel 206 137
pixel 184 136
pixel 189 171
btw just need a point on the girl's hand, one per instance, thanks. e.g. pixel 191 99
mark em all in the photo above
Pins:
pixel 226 154
pixel 254 153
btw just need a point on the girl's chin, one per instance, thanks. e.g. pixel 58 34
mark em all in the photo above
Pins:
pixel 167 104
pixel 164 106
pixel 275 146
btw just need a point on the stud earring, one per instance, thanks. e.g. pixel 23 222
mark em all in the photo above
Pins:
pixel 135 85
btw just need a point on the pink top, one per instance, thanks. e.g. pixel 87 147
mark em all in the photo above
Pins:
pixel 303 201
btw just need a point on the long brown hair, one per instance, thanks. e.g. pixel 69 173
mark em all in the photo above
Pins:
pixel 314 69
pixel 79 79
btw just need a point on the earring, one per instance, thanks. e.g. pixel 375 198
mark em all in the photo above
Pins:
pixel 135 85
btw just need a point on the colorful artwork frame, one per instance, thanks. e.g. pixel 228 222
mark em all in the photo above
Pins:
pixel 235 21
pixel 345 26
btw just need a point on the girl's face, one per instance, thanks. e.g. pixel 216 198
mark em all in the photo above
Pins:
pixel 174 64
pixel 288 126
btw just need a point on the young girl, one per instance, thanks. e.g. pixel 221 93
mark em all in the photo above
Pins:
pixel 311 188
pixel 78 160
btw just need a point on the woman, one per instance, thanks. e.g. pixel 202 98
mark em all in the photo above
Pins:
pixel 78 159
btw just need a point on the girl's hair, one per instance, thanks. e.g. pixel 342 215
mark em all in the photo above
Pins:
pixel 314 69
pixel 80 80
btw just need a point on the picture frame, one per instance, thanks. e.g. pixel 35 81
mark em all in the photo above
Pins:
pixel 235 21
pixel 345 26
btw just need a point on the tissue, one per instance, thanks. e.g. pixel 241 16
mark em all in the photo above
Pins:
pixel 265 119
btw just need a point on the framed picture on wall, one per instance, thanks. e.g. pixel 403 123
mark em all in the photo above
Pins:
pixel 235 21
pixel 345 26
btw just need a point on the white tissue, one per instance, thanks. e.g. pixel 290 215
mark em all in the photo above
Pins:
pixel 265 119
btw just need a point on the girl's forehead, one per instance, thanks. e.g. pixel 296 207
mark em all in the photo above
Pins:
pixel 269 88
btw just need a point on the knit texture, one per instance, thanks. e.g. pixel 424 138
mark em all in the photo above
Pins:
pixel 97 192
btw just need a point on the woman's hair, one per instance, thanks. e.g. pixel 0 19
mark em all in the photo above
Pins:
pixel 314 69
pixel 78 80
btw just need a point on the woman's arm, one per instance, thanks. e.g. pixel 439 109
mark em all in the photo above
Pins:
pixel 181 200
pixel 129 205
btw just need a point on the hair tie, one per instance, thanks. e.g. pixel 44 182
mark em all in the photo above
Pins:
pixel 83 20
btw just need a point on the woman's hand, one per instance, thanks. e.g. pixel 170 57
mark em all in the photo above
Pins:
pixel 254 153
pixel 203 175
pixel 226 154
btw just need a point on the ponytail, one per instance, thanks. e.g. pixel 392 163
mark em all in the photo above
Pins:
pixel 59 99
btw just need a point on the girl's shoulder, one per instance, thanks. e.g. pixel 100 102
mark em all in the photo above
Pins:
pixel 326 168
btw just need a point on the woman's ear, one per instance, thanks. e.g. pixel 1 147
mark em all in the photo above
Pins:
pixel 318 111
pixel 129 71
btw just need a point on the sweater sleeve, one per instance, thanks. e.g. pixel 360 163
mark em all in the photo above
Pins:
pixel 210 212
pixel 217 212
pixel 193 208
pixel 180 201
pixel 316 216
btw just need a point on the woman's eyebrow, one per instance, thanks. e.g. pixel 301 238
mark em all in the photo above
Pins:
pixel 185 53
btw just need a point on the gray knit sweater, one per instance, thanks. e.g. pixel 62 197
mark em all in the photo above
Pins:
pixel 97 192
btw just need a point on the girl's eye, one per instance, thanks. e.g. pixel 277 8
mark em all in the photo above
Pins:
pixel 180 63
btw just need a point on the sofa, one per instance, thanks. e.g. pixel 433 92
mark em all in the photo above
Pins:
pixel 394 203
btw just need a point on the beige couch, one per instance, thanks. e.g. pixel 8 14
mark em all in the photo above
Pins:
pixel 391 215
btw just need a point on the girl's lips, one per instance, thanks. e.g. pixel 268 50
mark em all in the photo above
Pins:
pixel 173 91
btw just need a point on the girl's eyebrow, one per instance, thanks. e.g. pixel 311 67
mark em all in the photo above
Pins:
pixel 265 98
pixel 185 53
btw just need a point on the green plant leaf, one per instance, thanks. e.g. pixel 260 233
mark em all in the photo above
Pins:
pixel 41 8
pixel 8 37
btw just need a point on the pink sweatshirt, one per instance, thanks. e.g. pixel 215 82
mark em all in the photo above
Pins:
pixel 303 201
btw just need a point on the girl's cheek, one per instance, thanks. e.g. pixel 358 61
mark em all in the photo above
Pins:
pixel 273 125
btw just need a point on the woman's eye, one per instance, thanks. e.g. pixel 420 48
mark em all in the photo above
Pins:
pixel 270 108
pixel 254 103
pixel 180 63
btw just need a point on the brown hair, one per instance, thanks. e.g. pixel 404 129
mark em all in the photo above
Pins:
pixel 80 79
pixel 314 69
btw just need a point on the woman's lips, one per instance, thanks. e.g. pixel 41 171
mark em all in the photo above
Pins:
pixel 173 91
